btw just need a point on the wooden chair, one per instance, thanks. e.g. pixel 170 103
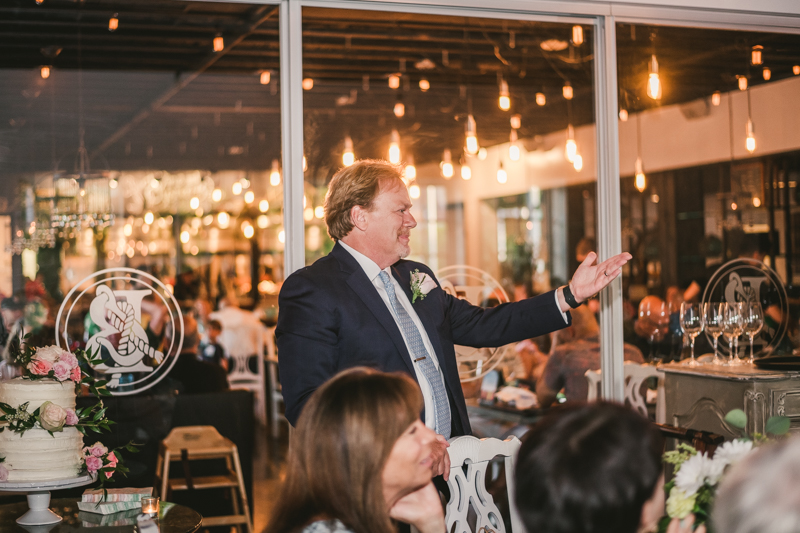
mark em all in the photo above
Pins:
pixel 635 376
pixel 469 464
pixel 190 443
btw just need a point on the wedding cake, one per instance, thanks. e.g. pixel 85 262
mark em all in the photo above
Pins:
pixel 36 454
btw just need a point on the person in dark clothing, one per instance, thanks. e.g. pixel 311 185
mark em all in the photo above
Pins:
pixel 212 351
pixel 195 376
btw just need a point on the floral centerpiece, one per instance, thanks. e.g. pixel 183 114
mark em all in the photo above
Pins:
pixel 62 365
pixel 697 475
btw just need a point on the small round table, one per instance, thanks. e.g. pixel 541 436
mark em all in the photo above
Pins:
pixel 173 518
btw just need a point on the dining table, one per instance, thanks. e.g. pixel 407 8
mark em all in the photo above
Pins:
pixel 172 518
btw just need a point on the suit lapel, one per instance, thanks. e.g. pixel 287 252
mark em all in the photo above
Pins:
pixel 363 287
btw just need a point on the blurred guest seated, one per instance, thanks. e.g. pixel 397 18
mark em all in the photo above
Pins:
pixel 360 458
pixel 593 468
pixel 759 494
pixel 240 329
pixel 195 376
pixel 570 360
pixel 212 351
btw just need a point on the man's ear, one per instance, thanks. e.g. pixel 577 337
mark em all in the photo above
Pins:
pixel 358 216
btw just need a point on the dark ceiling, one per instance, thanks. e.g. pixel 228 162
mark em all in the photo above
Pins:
pixel 153 94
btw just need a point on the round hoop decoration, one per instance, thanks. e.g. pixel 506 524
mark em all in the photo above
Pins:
pixel 746 280
pixel 478 288
pixel 115 310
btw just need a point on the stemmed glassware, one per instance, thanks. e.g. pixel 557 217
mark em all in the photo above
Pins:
pixel 753 319
pixel 713 313
pixel 654 317
pixel 692 325
pixel 732 328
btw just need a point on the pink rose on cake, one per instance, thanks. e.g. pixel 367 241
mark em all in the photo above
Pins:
pixel 52 417
pixel 40 367
pixel 62 371
pixel 70 359
pixel 93 464
pixel 3 473
pixel 112 464
pixel 72 418
pixel 76 374
pixel 96 450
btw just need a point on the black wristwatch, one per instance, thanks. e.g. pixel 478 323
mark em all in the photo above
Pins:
pixel 570 298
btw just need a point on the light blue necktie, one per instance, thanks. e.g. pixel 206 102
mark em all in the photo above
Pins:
pixel 421 357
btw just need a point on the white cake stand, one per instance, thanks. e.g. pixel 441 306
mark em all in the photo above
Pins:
pixel 38 493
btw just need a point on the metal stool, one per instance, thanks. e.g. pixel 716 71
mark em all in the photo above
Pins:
pixel 199 443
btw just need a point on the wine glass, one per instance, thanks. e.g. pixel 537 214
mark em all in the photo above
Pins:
pixel 732 327
pixel 753 321
pixel 713 313
pixel 653 321
pixel 692 325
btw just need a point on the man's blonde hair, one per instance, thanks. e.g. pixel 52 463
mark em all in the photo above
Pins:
pixel 359 184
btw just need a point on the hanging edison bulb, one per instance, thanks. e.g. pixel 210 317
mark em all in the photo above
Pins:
pixel 767 73
pixel 308 84
pixel 414 191
pixel 411 171
pixel 566 90
pixel 45 72
pixel 502 175
pixel 742 83
pixel 541 99
pixel 623 115
pixel 275 174
pixel 113 22
pixel 639 181
pixel 577 162
pixel 472 135
pixel 466 172
pixel 750 142
pixel 577 35
pixel 504 100
pixel 796 70
pixel 399 109
pixel 653 80
pixel 424 85
pixel 516 121
pixel 394 81
pixel 513 147
pixel 716 98
pixel 266 77
pixel 447 164
pixel 572 147
pixel 756 57
pixel 348 157
pixel 394 148
pixel 219 43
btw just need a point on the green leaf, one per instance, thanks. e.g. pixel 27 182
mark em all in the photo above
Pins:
pixel 778 425
pixel 736 418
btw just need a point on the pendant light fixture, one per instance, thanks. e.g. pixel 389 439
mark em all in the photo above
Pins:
pixel 767 73
pixel 577 35
pixel 265 77
pixel 394 148
pixel 348 157
pixel 466 170
pixel 571 147
pixel 399 108
pixel 513 147
pixel 471 135
pixel 502 175
pixel 566 91
pixel 756 57
pixel 275 173
pixel 447 164
pixel 424 85
pixel 113 22
pixel 219 43
pixel 410 171
pixel 716 98
pixel 639 181
pixel 504 100
pixel 653 79
pixel 750 141
pixel 742 82
pixel 541 99
pixel 45 72
pixel 577 163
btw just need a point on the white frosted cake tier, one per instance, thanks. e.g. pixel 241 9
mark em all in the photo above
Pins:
pixel 17 391
pixel 37 455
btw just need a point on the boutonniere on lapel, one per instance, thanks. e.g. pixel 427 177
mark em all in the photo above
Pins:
pixel 421 285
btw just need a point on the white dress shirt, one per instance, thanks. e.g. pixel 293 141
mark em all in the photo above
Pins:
pixel 372 270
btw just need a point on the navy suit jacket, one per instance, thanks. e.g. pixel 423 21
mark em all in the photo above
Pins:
pixel 332 318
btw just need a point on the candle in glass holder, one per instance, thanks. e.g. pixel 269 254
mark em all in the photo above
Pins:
pixel 150 505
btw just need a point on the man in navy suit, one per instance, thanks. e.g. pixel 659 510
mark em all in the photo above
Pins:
pixel 356 306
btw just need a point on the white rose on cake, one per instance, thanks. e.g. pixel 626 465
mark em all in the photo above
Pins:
pixel 52 417
pixel 51 354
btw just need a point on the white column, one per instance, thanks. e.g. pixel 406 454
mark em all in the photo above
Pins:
pixel 291 80
pixel 608 205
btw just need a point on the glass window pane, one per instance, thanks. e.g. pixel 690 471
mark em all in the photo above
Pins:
pixel 145 137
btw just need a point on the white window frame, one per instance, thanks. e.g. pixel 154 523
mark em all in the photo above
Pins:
pixel 781 16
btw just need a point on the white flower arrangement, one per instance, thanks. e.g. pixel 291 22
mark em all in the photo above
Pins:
pixel 697 475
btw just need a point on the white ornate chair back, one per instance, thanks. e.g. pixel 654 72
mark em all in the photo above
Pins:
pixel 251 343
pixel 635 375
pixel 468 489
